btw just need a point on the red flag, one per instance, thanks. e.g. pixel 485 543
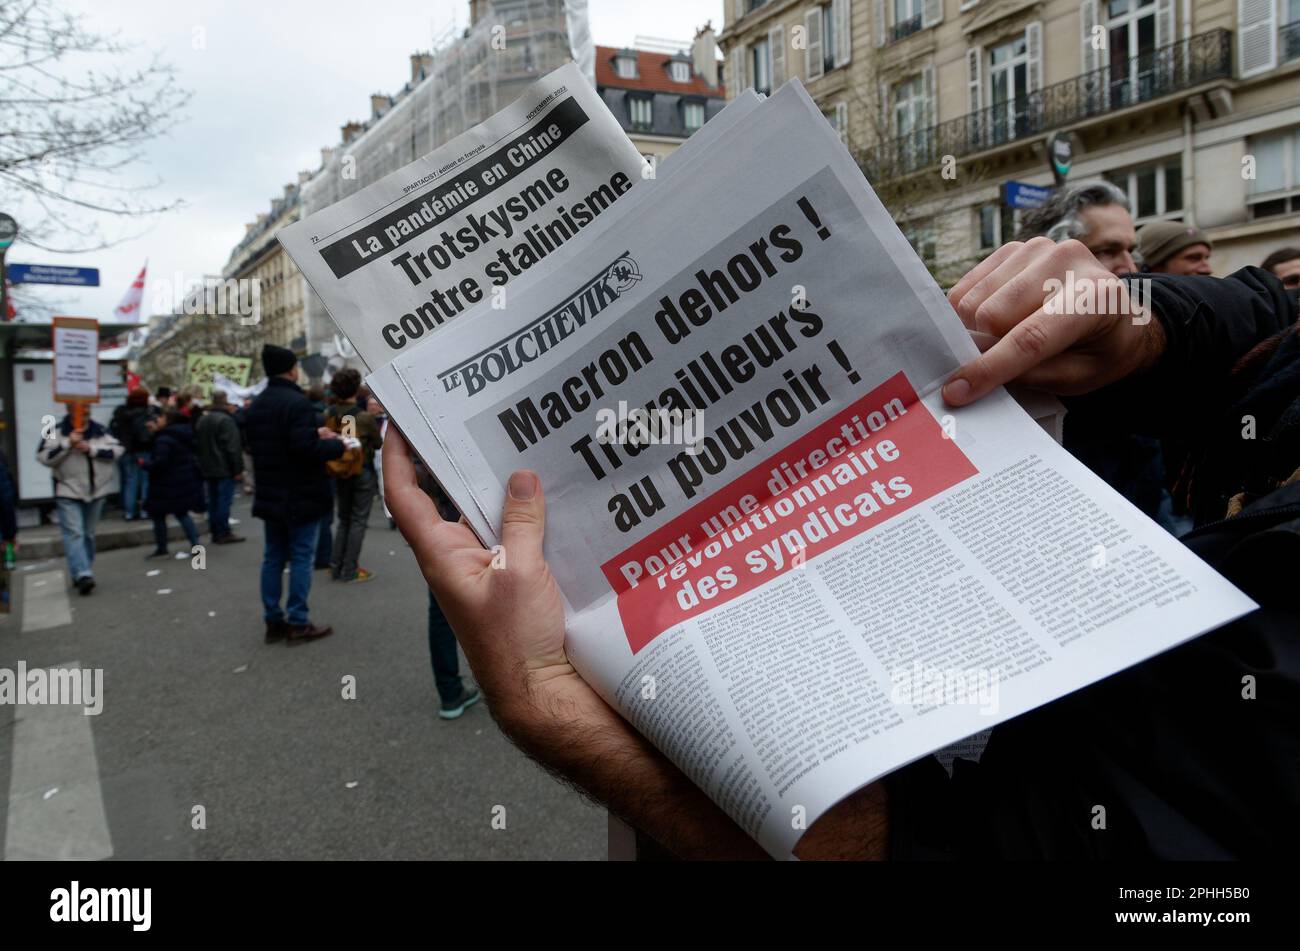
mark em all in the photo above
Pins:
pixel 128 312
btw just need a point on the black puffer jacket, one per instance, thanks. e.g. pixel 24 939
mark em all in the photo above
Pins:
pixel 289 456
pixel 175 483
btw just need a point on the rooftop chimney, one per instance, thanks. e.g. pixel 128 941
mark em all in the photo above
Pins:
pixel 478 9
pixel 421 63
pixel 326 153
pixel 288 191
pixel 379 104
pixel 704 54
pixel 350 131
pixel 304 177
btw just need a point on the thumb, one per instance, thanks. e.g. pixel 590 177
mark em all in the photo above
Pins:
pixel 523 522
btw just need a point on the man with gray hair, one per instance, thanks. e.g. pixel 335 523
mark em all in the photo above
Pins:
pixel 1097 214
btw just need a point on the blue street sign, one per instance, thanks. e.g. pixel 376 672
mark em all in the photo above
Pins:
pixel 1024 195
pixel 53 274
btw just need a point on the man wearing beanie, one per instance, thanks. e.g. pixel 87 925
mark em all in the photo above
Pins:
pixel 1171 247
pixel 291 492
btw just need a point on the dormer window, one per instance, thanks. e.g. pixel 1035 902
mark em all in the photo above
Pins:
pixel 625 66
pixel 680 72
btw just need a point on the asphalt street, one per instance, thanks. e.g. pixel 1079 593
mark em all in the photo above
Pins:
pixel 199 712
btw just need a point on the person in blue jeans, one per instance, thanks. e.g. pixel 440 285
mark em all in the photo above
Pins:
pixel 221 459
pixel 175 484
pixel 131 427
pixel 84 464
pixel 291 492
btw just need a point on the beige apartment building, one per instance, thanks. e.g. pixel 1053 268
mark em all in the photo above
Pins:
pixel 282 288
pixel 1191 106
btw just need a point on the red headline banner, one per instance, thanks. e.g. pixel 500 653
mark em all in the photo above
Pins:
pixel 879 457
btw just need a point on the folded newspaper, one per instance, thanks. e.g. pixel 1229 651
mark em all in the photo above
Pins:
pixel 785 560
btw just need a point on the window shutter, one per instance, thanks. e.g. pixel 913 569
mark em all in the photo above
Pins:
pixel 1256 29
pixel 974 79
pixel 842 17
pixel 776 43
pixel 738 10
pixel 812 54
pixel 842 121
pixel 882 28
pixel 931 13
pixel 736 81
pixel 882 101
pixel 1087 21
pixel 1034 44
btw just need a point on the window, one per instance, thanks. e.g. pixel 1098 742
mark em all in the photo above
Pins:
pixel 680 72
pixel 1275 189
pixel 1289 40
pixel 909 106
pixel 642 111
pixel 997 225
pixel 693 115
pixel 921 237
pixel 1154 191
pixel 760 66
pixel 908 18
pixel 625 66
pixel 829 40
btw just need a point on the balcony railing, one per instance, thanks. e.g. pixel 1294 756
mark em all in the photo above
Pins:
pixel 1288 42
pixel 1170 69
pixel 905 28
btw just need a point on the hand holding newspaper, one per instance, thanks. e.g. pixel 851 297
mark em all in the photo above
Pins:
pixel 784 560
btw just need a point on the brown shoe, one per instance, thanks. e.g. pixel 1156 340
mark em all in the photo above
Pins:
pixel 302 633
pixel 276 631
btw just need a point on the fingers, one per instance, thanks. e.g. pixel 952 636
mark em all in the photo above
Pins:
pixel 412 510
pixel 981 271
pixel 1011 268
pixel 1036 278
pixel 523 522
pixel 1028 344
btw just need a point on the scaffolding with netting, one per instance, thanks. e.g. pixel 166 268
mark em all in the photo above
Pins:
pixel 461 82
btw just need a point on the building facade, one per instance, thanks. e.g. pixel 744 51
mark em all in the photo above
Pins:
pixel 660 96
pixel 1191 106
pixel 281 288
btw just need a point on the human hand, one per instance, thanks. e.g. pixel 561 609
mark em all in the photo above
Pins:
pixel 509 619
pixel 324 432
pixel 1017 295
pixel 78 442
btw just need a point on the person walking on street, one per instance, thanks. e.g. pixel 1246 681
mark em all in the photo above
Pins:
pixel 356 487
pixel 175 482
pixel 84 462
pixel 325 538
pixel 292 493
pixel 221 460
pixel 8 514
pixel 130 427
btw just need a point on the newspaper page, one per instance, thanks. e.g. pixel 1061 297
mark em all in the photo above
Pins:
pixel 410 252
pixel 397 401
pixel 818 572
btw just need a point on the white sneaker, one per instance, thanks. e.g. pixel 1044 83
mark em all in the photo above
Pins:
pixel 182 555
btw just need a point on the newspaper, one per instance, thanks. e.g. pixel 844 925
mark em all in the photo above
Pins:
pixel 398 402
pixel 784 559
pixel 401 257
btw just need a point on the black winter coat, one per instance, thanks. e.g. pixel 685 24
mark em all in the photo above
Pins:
pixel 290 484
pixel 175 483
pixel 1195 754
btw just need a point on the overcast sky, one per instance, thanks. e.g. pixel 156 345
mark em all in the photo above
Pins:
pixel 276 80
